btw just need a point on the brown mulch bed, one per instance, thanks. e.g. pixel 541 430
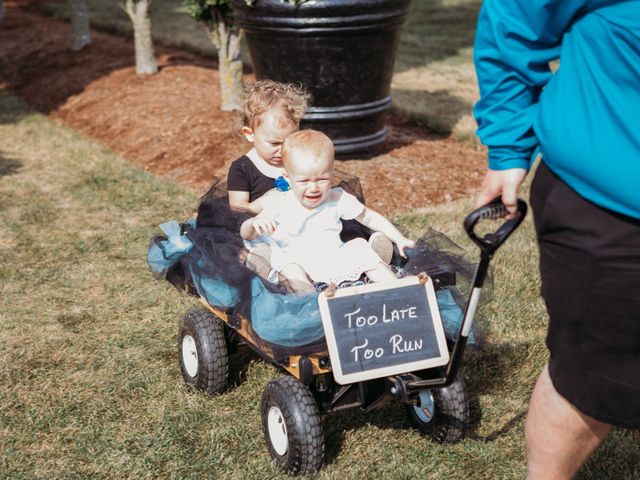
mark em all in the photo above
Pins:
pixel 170 123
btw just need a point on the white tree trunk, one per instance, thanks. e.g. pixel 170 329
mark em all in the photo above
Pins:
pixel 81 31
pixel 227 42
pixel 138 12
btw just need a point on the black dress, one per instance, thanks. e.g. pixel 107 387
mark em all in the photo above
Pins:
pixel 243 176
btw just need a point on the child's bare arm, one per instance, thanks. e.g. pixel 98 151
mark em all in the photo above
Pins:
pixel 247 231
pixel 252 228
pixel 377 222
pixel 239 202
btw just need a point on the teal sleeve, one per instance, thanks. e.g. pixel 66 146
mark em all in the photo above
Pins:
pixel 515 41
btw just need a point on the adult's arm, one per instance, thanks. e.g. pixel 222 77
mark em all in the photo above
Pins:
pixel 515 41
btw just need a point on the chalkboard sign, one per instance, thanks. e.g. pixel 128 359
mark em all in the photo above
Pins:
pixel 378 330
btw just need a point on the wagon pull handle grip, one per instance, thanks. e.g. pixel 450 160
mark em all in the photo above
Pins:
pixel 488 245
pixel 490 242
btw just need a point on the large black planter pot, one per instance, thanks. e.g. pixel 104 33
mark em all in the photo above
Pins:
pixel 342 51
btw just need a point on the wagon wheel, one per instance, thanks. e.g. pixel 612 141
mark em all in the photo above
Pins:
pixel 292 426
pixel 442 413
pixel 203 352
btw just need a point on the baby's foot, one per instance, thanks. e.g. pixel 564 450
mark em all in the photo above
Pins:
pixel 383 247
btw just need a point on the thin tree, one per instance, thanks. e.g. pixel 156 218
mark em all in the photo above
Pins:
pixel 217 18
pixel 138 11
pixel 81 31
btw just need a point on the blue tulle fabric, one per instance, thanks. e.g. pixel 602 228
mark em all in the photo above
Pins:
pixel 216 292
pixel 287 320
pixel 451 314
pixel 291 320
pixel 208 258
pixel 163 254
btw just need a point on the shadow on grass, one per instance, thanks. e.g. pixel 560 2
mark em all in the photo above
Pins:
pixel 172 29
pixel 12 110
pixel 394 417
pixel 8 165
pixel 485 373
pixel 404 130
pixel 442 109
pixel 239 362
pixel 490 369
pixel 171 23
pixel 618 457
pixel 500 432
pixel 436 30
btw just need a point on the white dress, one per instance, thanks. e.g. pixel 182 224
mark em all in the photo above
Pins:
pixel 311 237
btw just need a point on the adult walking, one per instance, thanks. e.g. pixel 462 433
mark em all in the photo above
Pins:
pixel 585 121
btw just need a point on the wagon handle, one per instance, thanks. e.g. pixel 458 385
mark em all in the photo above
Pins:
pixel 494 209
pixel 488 246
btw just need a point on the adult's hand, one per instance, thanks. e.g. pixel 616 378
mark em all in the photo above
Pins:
pixel 504 184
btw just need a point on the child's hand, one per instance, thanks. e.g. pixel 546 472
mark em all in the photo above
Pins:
pixel 404 242
pixel 263 225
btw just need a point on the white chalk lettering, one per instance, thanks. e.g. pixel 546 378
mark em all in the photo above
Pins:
pixel 349 315
pixel 358 347
pixel 398 345
pixel 398 314
pixel 360 320
pixel 368 353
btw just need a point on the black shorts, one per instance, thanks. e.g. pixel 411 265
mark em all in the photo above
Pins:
pixel 590 269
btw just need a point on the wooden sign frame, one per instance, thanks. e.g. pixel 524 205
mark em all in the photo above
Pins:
pixel 343 378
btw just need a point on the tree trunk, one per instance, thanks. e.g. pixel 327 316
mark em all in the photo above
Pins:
pixel 226 39
pixel 138 12
pixel 81 32
pixel 1 10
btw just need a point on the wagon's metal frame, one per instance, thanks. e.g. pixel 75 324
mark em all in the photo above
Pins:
pixel 314 369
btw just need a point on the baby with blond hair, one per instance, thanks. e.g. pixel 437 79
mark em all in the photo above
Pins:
pixel 302 225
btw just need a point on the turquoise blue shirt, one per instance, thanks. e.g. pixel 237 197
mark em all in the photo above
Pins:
pixel 585 119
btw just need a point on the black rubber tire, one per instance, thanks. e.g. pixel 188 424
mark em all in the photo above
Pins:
pixel 212 375
pixel 305 439
pixel 450 418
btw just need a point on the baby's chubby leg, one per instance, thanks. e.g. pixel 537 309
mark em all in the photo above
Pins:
pixel 259 259
pixel 382 273
pixel 296 279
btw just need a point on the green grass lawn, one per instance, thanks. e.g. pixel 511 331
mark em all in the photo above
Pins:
pixel 170 22
pixel 90 385
pixel 434 81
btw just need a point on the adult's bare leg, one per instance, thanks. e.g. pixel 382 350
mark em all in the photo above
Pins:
pixel 559 438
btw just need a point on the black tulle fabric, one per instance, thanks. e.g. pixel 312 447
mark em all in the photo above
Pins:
pixel 214 268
